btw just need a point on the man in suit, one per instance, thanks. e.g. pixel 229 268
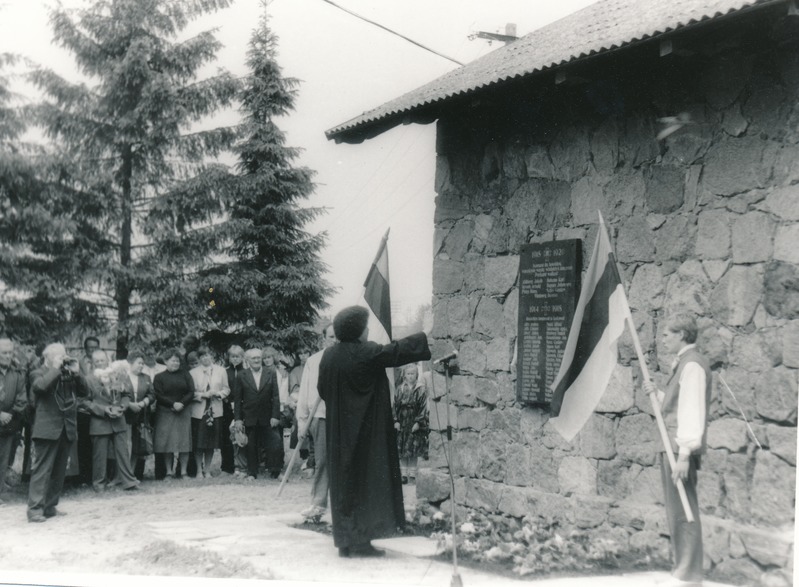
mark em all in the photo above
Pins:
pixel 111 397
pixel 138 409
pixel 13 404
pixel 257 405
pixel 58 388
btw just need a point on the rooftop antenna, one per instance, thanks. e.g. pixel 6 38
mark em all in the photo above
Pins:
pixel 507 38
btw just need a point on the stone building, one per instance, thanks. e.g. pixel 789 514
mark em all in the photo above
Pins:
pixel 532 140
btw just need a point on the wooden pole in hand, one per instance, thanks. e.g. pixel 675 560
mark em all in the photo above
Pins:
pixel 300 440
pixel 664 435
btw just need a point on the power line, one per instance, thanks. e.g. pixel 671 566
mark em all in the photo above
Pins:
pixel 385 28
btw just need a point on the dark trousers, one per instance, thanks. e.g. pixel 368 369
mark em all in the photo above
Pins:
pixel 47 473
pixel 226 446
pixel 7 445
pixel 103 446
pixel 686 537
pixel 262 437
pixel 85 451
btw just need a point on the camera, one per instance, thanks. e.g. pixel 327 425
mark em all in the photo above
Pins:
pixel 67 366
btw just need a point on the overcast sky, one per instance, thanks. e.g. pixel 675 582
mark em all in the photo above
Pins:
pixel 346 66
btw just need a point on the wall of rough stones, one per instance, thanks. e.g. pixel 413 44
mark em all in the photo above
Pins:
pixel 706 220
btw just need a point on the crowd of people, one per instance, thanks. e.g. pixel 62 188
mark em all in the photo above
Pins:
pixel 89 420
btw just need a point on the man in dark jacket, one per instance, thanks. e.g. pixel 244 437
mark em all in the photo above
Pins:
pixel 58 388
pixel 13 404
pixel 257 404
pixel 365 484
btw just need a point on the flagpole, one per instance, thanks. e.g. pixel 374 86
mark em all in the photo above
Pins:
pixel 664 435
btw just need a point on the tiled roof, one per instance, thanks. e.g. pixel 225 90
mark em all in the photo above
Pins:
pixel 600 27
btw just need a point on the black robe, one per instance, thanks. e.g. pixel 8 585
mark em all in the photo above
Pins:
pixel 365 483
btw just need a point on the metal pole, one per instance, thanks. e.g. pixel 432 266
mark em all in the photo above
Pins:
pixel 456 578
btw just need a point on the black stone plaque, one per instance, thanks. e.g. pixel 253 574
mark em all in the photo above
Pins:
pixel 549 286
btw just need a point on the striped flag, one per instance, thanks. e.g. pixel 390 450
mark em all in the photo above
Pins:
pixel 591 349
pixel 377 295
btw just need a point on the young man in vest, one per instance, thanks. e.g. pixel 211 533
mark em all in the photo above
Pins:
pixel 685 404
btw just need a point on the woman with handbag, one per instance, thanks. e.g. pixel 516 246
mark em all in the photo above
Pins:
pixel 211 387
pixel 138 414
pixel 174 391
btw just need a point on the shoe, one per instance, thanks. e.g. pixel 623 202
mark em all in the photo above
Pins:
pixel 51 513
pixel 99 488
pixel 250 478
pixel 404 480
pixel 363 551
pixel 132 487
pixel 36 518
pixel 274 474
pixel 675 582
pixel 312 512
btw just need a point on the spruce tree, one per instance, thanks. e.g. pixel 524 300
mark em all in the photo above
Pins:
pixel 271 289
pixel 135 178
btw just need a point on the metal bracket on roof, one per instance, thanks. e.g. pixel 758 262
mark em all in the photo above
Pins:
pixel 560 77
pixel 793 8
pixel 666 47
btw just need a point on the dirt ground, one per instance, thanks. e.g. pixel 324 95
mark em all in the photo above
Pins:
pixel 109 533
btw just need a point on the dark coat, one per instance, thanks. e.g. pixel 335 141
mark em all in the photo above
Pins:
pixel 365 483
pixel 14 399
pixel 57 400
pixel 101 423
pixel 143 390
pixel 256 406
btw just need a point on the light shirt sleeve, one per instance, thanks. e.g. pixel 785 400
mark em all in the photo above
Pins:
pixel 691 408
pixel 308 393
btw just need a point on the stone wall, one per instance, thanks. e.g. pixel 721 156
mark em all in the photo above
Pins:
pixel 705 221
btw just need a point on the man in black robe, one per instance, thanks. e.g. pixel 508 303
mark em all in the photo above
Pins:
pixel 365 483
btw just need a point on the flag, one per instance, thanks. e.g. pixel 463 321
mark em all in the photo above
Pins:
pixel 591 348
pixel 377 295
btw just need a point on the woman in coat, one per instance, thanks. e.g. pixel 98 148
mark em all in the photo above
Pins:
pixel 174 390
pixel 211 387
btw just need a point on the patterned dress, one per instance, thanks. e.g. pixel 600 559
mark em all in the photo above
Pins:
pixel 410 407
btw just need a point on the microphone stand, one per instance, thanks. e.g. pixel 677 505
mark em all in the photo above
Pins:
pixel 456 578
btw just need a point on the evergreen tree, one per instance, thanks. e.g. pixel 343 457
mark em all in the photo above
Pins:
pixel 141 198
pixel 271 289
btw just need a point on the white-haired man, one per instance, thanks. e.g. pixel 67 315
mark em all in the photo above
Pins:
pixel 58 388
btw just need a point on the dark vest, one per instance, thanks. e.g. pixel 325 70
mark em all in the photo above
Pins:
pixel 671 398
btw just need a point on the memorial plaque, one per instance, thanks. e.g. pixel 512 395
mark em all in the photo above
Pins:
pixel 549 286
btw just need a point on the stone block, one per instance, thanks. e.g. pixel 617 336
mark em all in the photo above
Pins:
pixel 570 153
pixel 537 162
pixel 531 422
pixel 676 239
pixel 725 78
pixel 482 225
pixel 463 391
pixel 438 415
pixel 742 383
pixel 637 439
pixel 781 284
pixel 432 486
pixel 619 395
pixel 736 295
pixel 598 438
pixel 521 213
pixel 631 515
pixel 577 475
pixel 458 317
pixel 466 454
pixel 484 495
pixel 740 571
pixel 506 383
pixel 492 455
pixel 767 548
pixel 647 288
pixel 500 274
pixel 519 470
pixel 613 478
pixel 644 485
pixel 555 204
pixel 781 442
pixel 752 236
pixel 624 190
pixel 498 355
pixel 605 147
pixel 713 341
pixel 776 395
pixel 736 500
pixel 664 188
pixel 513 160
pixel 735 165
pixel 590 512
pixel 457 240
pixel 764 108
pixel 687 289
pixel 447 276
pixel 713 235
pixel 489 319
pixel 637 146
pixel 473 272
pixel 472 357
pixel 645 327
pixel 729 433
pixel 751 352
pixel 785 240
pixel 543 468
pixel 510 314
pixel 507 421
pixel 472 418
pixel 650 542
pixel 709 491
pixel 635 242
pixel 586 198
pixel 715 268
pixel 790 344
pixel 734 123
pixel 487 391
pixel 783 202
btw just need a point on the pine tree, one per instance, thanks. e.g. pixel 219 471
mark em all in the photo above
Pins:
pixel 138 191
pixel 272 288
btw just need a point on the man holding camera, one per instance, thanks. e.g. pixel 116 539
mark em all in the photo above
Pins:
pixel 58 388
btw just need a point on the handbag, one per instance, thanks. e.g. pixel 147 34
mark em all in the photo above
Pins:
pixel 145 446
